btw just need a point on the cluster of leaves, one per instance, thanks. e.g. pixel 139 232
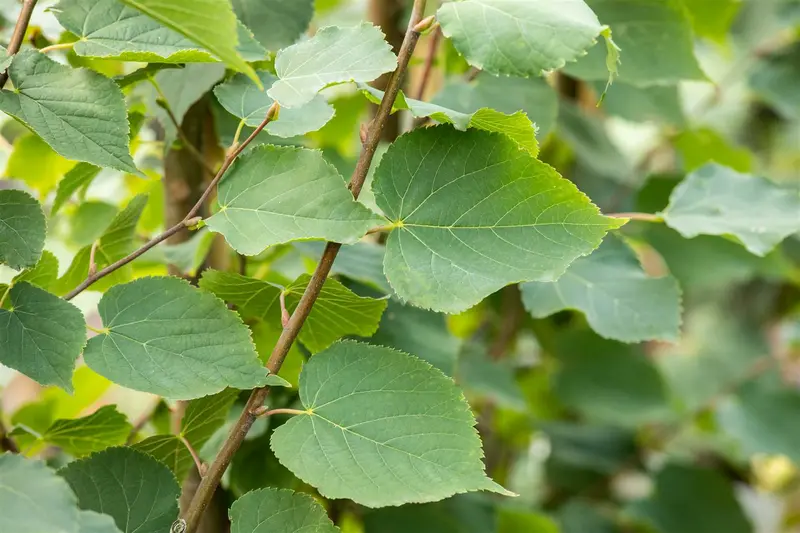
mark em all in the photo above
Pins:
pixel 600 352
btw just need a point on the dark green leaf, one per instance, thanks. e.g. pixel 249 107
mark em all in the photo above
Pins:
pixel 206 415
pixel 44 274
pixel 22 229
pixel 104 428
pixel 275 510
pixel 275 23
pixel 775 79
pixel 169 450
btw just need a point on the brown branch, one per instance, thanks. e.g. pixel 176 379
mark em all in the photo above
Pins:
pixel 235 438
pixel 189 220
pixel 19 34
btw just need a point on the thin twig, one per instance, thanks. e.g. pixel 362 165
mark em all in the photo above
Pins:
pixel 430 59
pixel 237 434
pixel 19 34
pixel 197 462
pixel 58 46
pixel 164 104
pixel 92 255
pixel 264 412
pixel 188 221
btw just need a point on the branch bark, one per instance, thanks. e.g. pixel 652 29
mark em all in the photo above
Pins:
pixel 388 16
pixel 298 318
pixel 19 34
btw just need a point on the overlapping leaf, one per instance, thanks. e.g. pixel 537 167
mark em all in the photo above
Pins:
pixel 165 337
pixel 41 335
pixel 206 415
pixel 275 23
pixel 209 23
pixel 169 450
pixel 78 112
pixel 519 37
pixel 91 522
pixel 275 195
pixel 517 126
pixel 244 100
pixel 381 428
pixel 137 491
pixel 273 510
pixel 111 30
pixel 715 200
pixel 474 213
pixel 333 55
pixel 104 428
pixel 619 300
pixel 43 274
pixel 22 229
pixel 33 498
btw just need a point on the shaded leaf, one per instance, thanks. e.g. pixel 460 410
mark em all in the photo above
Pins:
pixel 78 112
pixel 274 195
pixel 462 513
pixel 479 374
pixel 704 145
pixel 519 37
pixel 206 415
pixel 514 218
pixel 775 79
pixel 640 104
pixel 362 261
pixel 268 510
pixel 619 300
pixel 42 275
pixel 333 55
pixel 41 335
pixel 169 450
pixel 137 491
pixel 81 436
pixel 391 418
pixel 22 229
pixel 514 521
pixel 275 23
pixel 91 522
pixel 243 99
pixel 715 200
pixel 168 338
pixel 189 255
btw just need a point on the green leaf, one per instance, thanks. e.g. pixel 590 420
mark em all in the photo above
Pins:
pixel 42 275
pixel 209 23
pixel 168 338
pixel 333 55
pixel 649 57
pixel 379 415
pixel 418 331
pixel 274 380
pixel 104 428
pixel 36 164
pixel 643 104
pixel 715 200
pixel 116 242
pixel 41 335
pixel 704 145
pixel 463 513
pixel 337 312
pixel 243 99
pixel 775 78
pixel 513 219
pixel 519 37
pixel 89 220
pixel 274 195
pixel 479 374
pixel 273 510
pixel 188 256
pixel 533 96
pixel 362 261
pixel 78 112
pixel 22 229
pixel 137 491
pixel 91 522
pixel 169 450
pixel 515 521
pixel 692 500
pixel 5 59
pixel 712 18
pixel 34 499
pixel 619 300
pixel 608 382
pixel 517 126
pixel 206 415
pixel 275 23
pixel 111 30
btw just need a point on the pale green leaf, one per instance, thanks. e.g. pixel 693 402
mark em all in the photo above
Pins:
pixel 41 335
pixel 42 275
pixel 137 491
pixel 22 229
pixel 519 37
pixel 116 242
pixel 33 499
pixel 36 164
pixel 111 30
pixel 333 55
pixel 209 23
pixel 274 195
pixel 91 522
pixel 206 415
pixel 5 59
pixel 89 221
pixel 715 200
pixel 517 126
pixel 775 79
pixel 274 380
pixel 279 510
pixel 78 112
pixel 513 218
pixel 656 41
pixel 619 300
pixel 104 428
pixel 712 18
pixel 189 255
pixel 243 99
pixel 337 312
pixel 169 450
pixel 516 521
pixel 168 338
pixel 533 96
pixel 275 23
pixel 704 145
pixel 381 428
pixel 643 104
pixel 688 499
